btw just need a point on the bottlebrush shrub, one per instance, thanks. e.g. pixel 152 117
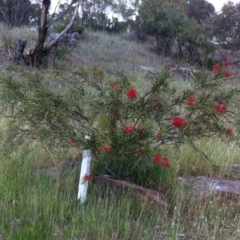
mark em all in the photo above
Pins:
pixel 132 129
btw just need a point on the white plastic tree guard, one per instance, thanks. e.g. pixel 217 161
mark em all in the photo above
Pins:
pixel 85 171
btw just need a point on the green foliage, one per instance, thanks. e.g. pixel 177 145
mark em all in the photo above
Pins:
pixel 200 10
pixel 134 169
pixel 38 112
pixel 78 29
pixel 207 63
pixel 169 25
pixel 94 13
pixel 161 20
pixel 193 42
pixel 132 129
pixel 14 13
pixel 60 53
pixel 226 26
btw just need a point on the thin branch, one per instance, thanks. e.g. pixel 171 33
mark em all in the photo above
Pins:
pixel 52 43
pixel 61 15
pixel 199 151
pixel 59 1
pixel 136 163
pixel 105 165
pixel 44 119
pixel 49 153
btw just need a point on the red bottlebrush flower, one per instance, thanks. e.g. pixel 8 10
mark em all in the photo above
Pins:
pixel 159 135
pixel 157 158
pixel 163 161
pixel 115 86
pixel 128 128
pixel 178 122
pixel 140 128
pixel 132 93
pixel 216 68
pixel 226 63
pixel 220 107
pixel 73 143
pixel 87 178
pixel 229 131
pixel 192 101
pixel 106 148
pixel 141 152
pixel 226 74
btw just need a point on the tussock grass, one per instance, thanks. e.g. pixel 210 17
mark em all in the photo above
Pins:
pixel 221 155
pixel 9 36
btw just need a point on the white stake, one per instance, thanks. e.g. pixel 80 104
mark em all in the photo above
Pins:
pixel 85 171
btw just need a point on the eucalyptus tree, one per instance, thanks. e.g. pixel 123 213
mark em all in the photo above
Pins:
pixel 162 20
pixel 199 10
pixel 226 26
pixel 35 55
pixel 16 13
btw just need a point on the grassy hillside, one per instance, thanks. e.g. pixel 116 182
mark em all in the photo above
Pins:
pixel 38 183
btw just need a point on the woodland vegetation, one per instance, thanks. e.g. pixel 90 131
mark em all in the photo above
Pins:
pixel 188 30
pixel 157 90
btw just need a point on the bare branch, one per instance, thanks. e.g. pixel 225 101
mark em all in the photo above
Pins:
pixel 61 15
pixel 52 43
pixel 59 1
pixel 35 56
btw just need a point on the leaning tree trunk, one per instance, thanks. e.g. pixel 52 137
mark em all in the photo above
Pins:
pixel 35 56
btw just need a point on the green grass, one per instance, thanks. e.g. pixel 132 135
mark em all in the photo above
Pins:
pixel 33 206
pixel 115 54
pixel 36 206
pixel 220 155
pixel 8 37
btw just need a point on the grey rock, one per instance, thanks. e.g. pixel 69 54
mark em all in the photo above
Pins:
pixel 202 187
pixel 148 69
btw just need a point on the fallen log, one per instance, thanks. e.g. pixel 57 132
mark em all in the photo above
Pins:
pixel 139 193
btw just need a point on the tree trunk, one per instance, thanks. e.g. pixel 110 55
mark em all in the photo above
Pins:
pixel 35 56
pixel 38 52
